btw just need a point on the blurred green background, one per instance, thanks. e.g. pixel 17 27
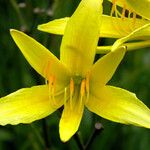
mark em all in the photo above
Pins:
pixel 15 73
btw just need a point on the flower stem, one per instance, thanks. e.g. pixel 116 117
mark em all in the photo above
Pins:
pixel 97 130
pixel 79 141
pixel 130 47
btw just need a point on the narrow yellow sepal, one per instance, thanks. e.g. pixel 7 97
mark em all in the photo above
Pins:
pixel 56 26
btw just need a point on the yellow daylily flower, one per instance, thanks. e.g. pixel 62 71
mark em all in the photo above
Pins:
pixel 75 80
pixel 142 32
pixel 133 7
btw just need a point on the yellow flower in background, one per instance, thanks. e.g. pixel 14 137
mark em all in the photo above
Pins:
pixel 137 7
pixel 111 27
pixel 134 10
pixel 75 80
pixel 120 24
pixel 116 26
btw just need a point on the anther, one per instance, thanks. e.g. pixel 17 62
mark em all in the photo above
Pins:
pixel 82 89
pixel 71 86
pixel 82 92
pixel 71 92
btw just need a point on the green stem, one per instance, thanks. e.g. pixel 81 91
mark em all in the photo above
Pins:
pixel 130 47
pixel 79 141
pixel 97 130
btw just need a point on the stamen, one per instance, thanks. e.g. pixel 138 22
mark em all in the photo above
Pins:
pixel 82 89
pixel 71 92
pixel 113 7
pixel 82 92
pixel 122 15
pixel 52 90
pixel 123 12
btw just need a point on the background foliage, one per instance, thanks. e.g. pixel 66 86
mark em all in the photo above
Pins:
pixel 133 74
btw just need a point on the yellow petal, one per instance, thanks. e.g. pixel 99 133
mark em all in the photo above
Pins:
pixel 111 27
pixel 41 59
pixel 104 68
pixel 56 26
pixel 141 7
pixel 27 105
pixel 140 33
pixel 81 36
pixel 119 105
pixel 71 117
